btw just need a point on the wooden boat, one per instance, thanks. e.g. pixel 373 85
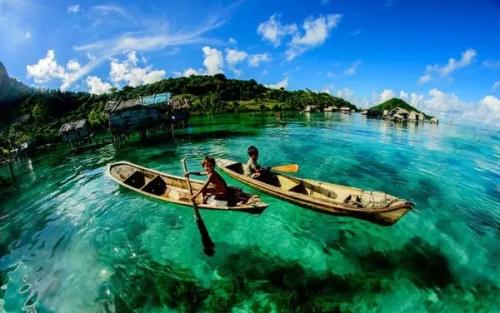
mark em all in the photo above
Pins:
pixel 174 189
pixel 329 198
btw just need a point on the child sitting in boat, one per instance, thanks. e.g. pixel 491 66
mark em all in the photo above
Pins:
pixel 253 169
pixel 215 184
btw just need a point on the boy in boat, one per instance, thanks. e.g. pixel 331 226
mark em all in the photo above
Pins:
pixel 253 169
pixel 215 184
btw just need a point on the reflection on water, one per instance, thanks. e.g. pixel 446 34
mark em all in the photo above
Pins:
pixel 71 240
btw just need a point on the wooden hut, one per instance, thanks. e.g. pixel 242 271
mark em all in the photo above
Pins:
pixel 74 132
pixel 331 109
pixel 310 108
pixel 346 110
pixel 179 111
pixel 434 121
pixel 399 114
pixel 414 116
pixel 146 114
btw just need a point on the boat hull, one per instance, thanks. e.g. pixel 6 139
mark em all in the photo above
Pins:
pixel 174 189
pixel 320 196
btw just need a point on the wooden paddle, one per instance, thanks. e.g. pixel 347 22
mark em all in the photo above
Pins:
pixel 290 168
pixel 208 244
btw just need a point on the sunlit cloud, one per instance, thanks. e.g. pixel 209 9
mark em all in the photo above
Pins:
pixel 75 8
pixel 445 70
pixel 281 84
pixel 352 69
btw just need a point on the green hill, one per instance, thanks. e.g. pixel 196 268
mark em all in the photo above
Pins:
pixel 35 114
pixel 11 90
pixel 395 103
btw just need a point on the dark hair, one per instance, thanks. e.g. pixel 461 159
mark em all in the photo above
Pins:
pixel 208 160
pixel 252 150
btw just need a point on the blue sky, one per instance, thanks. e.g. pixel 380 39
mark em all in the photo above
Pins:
pixel 442 56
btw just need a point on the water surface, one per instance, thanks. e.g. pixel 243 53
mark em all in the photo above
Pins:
pixel 71 240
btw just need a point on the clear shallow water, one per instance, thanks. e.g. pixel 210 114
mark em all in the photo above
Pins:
pixel 71 240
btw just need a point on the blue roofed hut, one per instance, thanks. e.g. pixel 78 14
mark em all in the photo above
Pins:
pixel 143 114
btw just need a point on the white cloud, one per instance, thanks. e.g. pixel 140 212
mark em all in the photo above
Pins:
pixel 149 40
pixel 328 89
pixel 494 64
pixel 385 95
pixel 234 56
pixel 132 57
pixel 449 106
pixel 214 61
pixel 424 78
pixel 108 9
pixel 255 59
pixel 17 19
pixel 47 70
pixel 440 102
pixel 316 30
pixel 273 31
pixel 356 32
pixel 496 85
pixel 131 74
pixel 73 65
pixel 452 65
pixel 351 70
pixel 489 110
pixel 281 84
pixel 315 33
pixel 191 71
pixel 413 98
pixel 74 8
pixel 97 86
pixel 232 41
pixel 346 93
pixel 444 105
pixel 492 104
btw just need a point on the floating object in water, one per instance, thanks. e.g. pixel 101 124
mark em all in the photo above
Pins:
pixel 329 198
pixel 170 188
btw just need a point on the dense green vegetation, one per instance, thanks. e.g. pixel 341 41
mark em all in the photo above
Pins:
pixel 36 115
pixel 395 103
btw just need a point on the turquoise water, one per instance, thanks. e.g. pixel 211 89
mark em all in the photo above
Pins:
pixel 71 240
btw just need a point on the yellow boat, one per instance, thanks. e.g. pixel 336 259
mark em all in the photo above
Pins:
pixel 174 189
pixel 329 198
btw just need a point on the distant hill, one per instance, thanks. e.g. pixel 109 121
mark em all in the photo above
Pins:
pixel 28 113
pixel 395 103
pixel 10 88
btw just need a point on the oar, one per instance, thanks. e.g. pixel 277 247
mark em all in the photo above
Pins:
pixel 208 244
pixel 290 168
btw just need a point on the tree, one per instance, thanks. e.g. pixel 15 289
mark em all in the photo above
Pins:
pixel 40 112
pixel 97 117
pixel 5 148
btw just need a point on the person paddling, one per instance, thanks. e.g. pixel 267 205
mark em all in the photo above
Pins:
pixel 214 186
